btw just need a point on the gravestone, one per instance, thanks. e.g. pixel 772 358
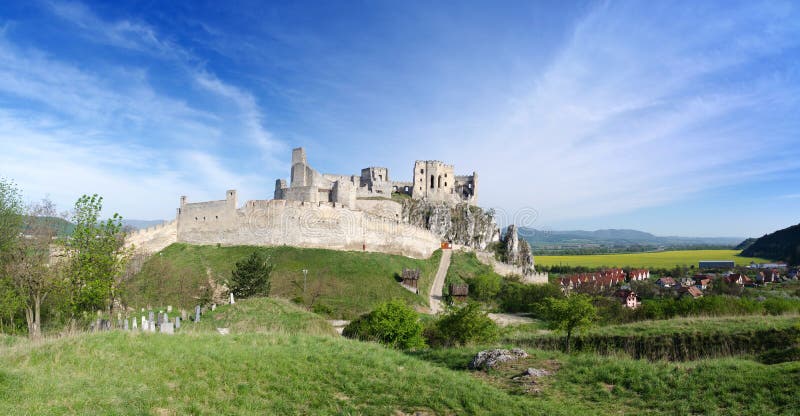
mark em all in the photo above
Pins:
pixel 97 325
pixel 152 326
pixel 135 323
pixel 232 301
pixel 169 308
pixel 197 313
pixel 125 324
pixel 213 306
pixel 166 328
pixel 184 314
pixel 166 317
pixel 151 316
pixel 177 322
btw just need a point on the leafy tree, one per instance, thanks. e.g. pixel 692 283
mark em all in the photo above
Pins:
pixel 30 268
pixel 463 325
pixel 251 277
pixel 485 287
pixel 11 210
pixel 569 314
pixel 392 323
pixel 96 256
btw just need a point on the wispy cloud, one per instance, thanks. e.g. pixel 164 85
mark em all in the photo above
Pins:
pixel 640 109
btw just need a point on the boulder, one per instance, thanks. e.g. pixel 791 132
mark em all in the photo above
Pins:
pixel 489 358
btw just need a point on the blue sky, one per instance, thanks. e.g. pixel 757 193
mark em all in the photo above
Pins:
pixel 678 118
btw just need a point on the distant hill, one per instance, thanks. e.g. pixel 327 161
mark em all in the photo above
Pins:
pixel 60 225
pixel 617 240
pixel 781 245
pixel 139 224
pixel 746 243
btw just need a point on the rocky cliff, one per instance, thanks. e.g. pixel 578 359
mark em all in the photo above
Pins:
pixel 515 251
pixel 462 224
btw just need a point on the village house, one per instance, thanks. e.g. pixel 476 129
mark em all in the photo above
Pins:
pixel 687 281
pixel 768 276
pixel 628 298
pixel 638 275
pixel 692 291
pixel 738 279
pixel 666 282
pixel 702 281
pixel 602 279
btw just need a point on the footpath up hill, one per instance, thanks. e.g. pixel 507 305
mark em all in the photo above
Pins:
pixel 341 284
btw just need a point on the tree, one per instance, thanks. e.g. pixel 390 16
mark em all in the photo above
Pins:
pixel 463 325
pixel 11 211
pixel 392 323
pixel 30 267
pixel 569 314
pixel 251 277
pixel 96 256
pixel 11 214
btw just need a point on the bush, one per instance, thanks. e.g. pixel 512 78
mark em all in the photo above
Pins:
pixel 518 297
pixel 462 325
pixel 250 277
pixel 485 287
pixel 392 323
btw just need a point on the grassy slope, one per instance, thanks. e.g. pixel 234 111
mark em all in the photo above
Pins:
pixel 465 265
pixel 283 370
pixel 350 283
pixel 663 259
pixel 263 315
pixel 729 324
pixel 619 385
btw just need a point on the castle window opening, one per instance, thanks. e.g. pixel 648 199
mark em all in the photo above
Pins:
pixel 380 177
pixel 433 179
pixel 445 184
pixel 422 171
pixel 195 218
pixel 439 185
pixel 216 217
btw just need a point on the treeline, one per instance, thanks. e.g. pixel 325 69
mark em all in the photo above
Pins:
pixel 543 249
pixel 781 245
pixel 48 281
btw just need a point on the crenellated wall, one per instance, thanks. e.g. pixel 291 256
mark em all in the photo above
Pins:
pixel 153 239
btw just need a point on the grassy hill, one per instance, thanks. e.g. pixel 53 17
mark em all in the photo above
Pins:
pixel 283 369
pixel 347 283
pixel 280 359
pixel 781 245
pixel 659 259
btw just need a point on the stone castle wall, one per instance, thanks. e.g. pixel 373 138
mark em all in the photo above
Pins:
pixel 153 239
pixel 302 224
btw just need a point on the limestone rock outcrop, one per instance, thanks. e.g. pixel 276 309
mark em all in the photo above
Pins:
pixel 490 358
pixel 463 224
pixel 515 251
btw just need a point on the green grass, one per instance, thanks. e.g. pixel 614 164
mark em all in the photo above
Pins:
pixel 673 339
pixel 590 383
pixel 348 283
pixel 661 259
pixel 729 324
pixel 281 359
pixel 263 315
pixel 205 373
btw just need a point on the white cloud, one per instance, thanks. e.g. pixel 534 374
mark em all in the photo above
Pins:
pixel 637 110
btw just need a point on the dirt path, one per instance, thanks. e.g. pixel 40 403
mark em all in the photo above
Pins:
pixel 505 319
pixel 435 297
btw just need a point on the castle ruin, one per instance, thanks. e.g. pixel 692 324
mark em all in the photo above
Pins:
pixel 432 180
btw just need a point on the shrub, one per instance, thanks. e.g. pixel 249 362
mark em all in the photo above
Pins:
pixel 462 325
pixel 569 314
pixel 392 323
pixel 518 297
pixel 251 276
pixel 485 287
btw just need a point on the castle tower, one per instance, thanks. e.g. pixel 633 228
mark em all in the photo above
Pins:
pixel 433 180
